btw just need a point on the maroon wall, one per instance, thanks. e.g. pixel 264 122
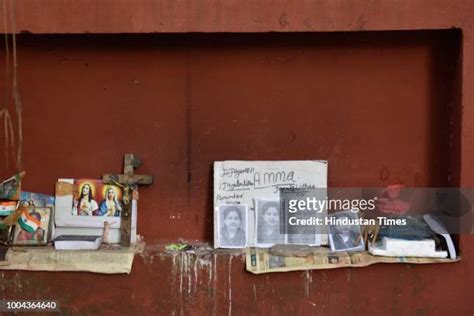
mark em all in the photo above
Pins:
pixel 376 105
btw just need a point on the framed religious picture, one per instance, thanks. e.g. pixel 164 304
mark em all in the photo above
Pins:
pixel 344 232
pixel 82 206
pixel 88 203
pixel 34 227
pixel 233 228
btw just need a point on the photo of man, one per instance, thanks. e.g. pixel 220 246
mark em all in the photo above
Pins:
pixel 344 236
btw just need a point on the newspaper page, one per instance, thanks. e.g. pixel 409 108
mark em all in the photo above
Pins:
pixel 261 260
pixel 106 261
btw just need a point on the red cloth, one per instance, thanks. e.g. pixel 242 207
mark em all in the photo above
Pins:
pixel 389 202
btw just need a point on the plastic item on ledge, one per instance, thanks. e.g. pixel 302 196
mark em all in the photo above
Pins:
pixel 176 246
pixel 393 247
pixel 437 226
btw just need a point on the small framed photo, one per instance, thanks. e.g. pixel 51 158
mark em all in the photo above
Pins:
pixel 97 199
pixel 232 225
pixel 344 234
pixel 267 224
pixel 10 188
pixel 88 203
pixel 34 227
pixel 37 199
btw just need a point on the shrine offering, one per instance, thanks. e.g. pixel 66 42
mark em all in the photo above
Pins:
pixel 83 205
pixel 255 185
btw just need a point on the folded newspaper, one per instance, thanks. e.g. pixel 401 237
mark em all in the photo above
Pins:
pixel 107 261
pixel 261 260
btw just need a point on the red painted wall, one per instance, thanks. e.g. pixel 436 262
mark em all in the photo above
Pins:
pixel 377 105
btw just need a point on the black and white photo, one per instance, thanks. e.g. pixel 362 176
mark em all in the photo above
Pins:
pixel 268 219
pixel 241 182
pixel 233 232
pixel 344 236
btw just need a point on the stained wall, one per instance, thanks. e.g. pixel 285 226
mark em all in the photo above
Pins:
pixel 380 106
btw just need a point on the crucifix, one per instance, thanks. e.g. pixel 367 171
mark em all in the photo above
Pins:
pixel 129 182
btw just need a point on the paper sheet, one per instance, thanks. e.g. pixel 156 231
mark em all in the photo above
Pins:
pixel 259 260
pixel 48 259
pixel 241 182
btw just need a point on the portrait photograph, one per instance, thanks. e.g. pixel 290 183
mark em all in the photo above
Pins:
pixel 344 237
pixel 268 219
pixel 232 225
pixel 34 227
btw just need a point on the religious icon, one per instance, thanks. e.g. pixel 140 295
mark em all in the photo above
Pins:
pixel 88 203
pixel 105 233
pixel 94 198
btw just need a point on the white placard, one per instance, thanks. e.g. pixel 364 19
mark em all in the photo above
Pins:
pixel 241 182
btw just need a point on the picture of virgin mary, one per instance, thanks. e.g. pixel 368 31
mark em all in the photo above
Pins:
pixel 110 206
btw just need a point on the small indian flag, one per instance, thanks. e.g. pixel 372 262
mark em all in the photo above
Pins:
pixel 28 222
pixel 7 208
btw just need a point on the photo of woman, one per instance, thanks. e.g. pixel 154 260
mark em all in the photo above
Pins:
pixel 233 226
pixel 110 206
pixel 268 223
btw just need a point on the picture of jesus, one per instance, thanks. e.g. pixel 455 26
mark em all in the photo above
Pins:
pixel 85 205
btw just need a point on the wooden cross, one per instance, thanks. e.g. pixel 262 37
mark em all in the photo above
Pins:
pixel 129 182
